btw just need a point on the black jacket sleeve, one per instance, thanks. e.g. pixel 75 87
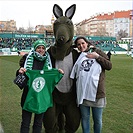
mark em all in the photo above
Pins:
pixel 21 63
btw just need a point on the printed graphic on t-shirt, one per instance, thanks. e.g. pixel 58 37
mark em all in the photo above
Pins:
pixel 38 84
pixel 86 65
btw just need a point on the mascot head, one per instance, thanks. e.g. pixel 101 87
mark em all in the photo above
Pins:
pixel 63 31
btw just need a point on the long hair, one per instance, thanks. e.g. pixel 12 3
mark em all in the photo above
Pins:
pixel 84 38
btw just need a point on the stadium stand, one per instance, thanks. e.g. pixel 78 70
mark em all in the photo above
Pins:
pixel 23 43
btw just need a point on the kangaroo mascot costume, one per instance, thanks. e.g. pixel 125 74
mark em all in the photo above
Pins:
pixel 63 56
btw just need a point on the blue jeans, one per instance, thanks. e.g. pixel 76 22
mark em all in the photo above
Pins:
pixel 85 118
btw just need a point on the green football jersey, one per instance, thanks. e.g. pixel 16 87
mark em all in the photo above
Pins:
pixel 41 84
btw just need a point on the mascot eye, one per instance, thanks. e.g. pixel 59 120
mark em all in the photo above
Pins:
pixel 69 22
pixel 56 22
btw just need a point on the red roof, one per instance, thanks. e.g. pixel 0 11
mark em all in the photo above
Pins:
pixel 105 16
pixel 122 14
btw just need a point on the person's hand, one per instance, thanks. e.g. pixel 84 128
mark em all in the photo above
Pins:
pixel 22 70
pixel 61 71
pixel 92 55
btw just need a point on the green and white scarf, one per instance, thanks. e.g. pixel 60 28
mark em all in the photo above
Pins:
pixel 33 54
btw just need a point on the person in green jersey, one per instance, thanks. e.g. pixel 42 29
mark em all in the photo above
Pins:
pixel 37 60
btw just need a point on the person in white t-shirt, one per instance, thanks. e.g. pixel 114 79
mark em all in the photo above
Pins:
pixel 89 71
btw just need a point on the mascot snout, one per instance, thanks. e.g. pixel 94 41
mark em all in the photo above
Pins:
pixel 61 39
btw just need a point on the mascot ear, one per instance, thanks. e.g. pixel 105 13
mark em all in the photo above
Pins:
pixel 70 11
pixel 57 11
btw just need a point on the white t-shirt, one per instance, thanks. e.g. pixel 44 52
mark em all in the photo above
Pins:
pixel 87 72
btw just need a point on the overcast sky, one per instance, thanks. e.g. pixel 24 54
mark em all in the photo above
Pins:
pixel 39 12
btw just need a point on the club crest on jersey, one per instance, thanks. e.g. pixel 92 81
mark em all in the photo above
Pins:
pixel 38 84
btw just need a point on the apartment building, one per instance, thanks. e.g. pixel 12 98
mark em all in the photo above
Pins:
pixel 107 24
pixel 131 24
pixel 8 26
pixel 122 22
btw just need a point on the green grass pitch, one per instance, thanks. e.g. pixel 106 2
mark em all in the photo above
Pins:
pixel 117 116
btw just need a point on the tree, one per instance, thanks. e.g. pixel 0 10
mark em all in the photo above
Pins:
pixel 30 29
pixel 80 31
pixel 21 30
pixel 122 34
pixel 101 31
